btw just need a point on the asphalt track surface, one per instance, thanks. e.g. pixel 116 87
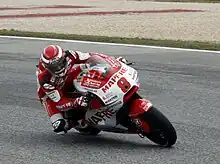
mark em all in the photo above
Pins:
pixel 183 85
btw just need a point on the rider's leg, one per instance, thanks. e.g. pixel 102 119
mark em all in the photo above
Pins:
pixel 59 124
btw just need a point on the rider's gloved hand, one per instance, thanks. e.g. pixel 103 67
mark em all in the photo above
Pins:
pixel 121 59
pixel 80 102
pixel 59 126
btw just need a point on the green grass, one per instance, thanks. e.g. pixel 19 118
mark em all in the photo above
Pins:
pixel 199 1
pixel 140 41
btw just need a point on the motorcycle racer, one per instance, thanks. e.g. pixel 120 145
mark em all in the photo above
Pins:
pixel 55 74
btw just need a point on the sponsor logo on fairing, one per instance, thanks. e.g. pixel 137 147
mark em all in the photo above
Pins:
pixel 114 98
pixel 114 79
pixel 104 113
pixel 91 83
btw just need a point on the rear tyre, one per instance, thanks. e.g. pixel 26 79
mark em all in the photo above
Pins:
pixel 162 131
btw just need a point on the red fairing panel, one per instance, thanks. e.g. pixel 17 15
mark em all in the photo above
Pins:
pixel 139 106
pixel 130 93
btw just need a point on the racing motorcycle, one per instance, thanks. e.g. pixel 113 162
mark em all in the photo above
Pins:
pixel 115 105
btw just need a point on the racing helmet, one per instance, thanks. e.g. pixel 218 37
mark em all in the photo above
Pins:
pixel 54 60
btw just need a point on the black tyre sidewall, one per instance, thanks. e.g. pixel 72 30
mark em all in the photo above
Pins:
pixel 155 119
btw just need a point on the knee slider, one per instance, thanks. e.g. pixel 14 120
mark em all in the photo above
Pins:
pixel 59 126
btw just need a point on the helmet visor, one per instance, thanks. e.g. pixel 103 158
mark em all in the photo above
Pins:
pixel 58 68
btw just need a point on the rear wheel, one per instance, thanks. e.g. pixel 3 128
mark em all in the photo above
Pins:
pixel 162 131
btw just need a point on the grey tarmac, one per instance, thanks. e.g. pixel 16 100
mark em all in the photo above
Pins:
pixel 183 85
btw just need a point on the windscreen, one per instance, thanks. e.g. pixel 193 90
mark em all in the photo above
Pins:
pixel 97 60
pixel 97 71
pixel 97 68
pixel 102 66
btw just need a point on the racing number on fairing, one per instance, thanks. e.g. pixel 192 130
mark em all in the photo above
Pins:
pixel 123 84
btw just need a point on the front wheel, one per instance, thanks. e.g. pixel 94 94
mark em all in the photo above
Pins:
pixel 161 131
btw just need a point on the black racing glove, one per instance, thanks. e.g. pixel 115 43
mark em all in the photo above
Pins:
pixel 59 126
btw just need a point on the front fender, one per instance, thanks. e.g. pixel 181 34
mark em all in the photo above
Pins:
pixel 139 106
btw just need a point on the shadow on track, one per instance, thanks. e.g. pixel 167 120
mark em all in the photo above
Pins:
pixel 35 139
pixel 103 140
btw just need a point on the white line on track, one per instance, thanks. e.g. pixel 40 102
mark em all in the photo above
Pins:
pixel 111 44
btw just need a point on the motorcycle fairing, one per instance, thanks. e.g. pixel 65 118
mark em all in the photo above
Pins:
pixel 110 85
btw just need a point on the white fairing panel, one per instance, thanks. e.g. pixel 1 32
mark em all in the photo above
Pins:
pixel 104 116
pixel 111 94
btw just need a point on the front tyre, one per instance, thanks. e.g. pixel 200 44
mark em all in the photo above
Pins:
pixel 162 131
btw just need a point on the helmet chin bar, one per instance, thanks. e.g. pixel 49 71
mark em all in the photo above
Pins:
pixel 58 74
pixel 62 73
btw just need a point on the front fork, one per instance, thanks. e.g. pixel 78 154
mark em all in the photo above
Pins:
pixel 137 108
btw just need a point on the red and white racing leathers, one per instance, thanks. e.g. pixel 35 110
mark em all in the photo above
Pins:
pixel 52 91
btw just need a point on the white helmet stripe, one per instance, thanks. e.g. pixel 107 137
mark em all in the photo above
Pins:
pixel 60 52
pixel 44 59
